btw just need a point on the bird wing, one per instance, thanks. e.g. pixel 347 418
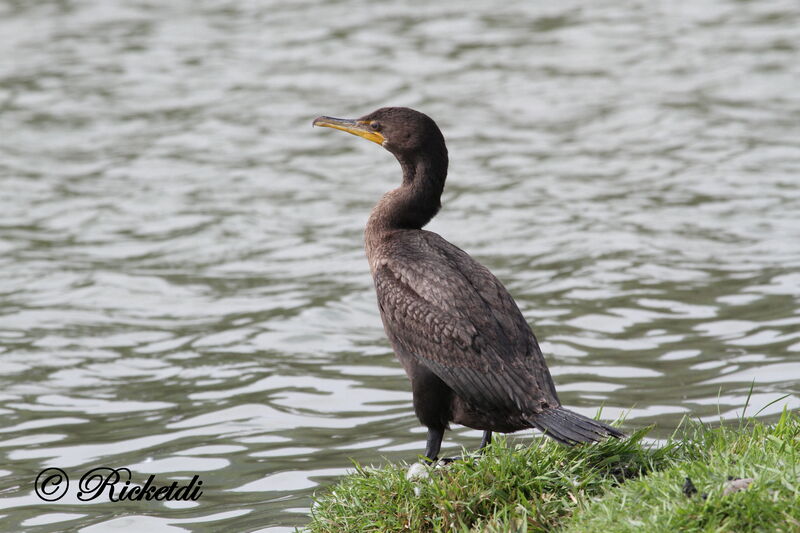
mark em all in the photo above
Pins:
pixel 451 314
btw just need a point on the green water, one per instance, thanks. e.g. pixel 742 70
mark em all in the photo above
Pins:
pixel 183 289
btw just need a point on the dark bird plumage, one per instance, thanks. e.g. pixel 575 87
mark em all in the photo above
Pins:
pixel 470 355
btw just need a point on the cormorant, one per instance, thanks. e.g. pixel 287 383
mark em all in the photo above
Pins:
pixel 470 355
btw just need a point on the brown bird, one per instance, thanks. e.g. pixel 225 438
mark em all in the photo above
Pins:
pixel 470 355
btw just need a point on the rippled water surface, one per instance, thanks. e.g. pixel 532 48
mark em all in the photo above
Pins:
pixel 183 288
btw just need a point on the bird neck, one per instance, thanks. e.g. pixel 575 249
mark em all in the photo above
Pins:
pixel 417 200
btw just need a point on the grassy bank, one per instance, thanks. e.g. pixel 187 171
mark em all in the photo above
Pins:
pixel 613 486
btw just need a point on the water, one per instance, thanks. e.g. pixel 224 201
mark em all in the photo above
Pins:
pixel 183 288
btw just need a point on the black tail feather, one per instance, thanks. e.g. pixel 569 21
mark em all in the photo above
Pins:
pixel 570 428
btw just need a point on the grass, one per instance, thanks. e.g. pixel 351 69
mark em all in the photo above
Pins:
pixel 615 486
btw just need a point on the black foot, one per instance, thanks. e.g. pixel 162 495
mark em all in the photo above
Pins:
pixel 444 461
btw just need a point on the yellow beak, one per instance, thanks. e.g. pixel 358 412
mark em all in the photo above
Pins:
pixel 355 127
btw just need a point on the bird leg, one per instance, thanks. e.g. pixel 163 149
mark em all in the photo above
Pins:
pixel 435 437
pixel 486 440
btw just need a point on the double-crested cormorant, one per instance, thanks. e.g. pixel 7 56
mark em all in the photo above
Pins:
pixel 471 356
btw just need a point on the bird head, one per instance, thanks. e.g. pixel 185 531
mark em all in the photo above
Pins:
pixel 400 130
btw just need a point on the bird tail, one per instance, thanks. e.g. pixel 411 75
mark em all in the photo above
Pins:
pixel 570 428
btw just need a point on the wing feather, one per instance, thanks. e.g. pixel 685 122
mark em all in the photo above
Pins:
pixel 452 315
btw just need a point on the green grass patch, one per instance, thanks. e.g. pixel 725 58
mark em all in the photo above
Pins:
pixel 616 485
pixel 656 502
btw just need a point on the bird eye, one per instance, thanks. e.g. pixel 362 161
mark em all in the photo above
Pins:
pixel 376 126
